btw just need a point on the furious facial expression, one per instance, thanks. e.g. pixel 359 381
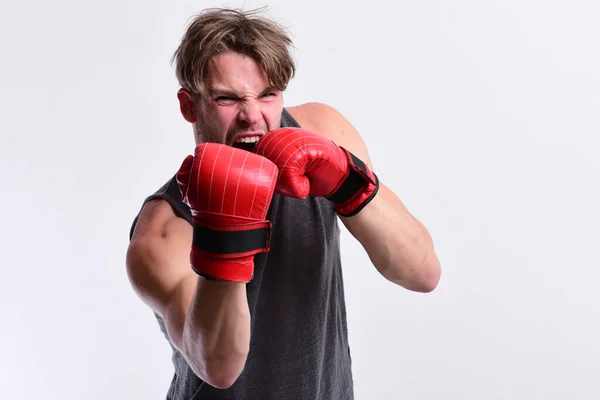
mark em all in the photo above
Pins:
pixel 239 105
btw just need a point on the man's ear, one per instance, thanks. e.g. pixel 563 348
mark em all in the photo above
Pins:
pixel 187 106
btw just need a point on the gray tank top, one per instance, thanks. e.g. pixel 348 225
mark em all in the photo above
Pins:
pixel 299 339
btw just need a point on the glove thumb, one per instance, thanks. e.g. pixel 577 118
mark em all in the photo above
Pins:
pixel 183 176
pixel 293 182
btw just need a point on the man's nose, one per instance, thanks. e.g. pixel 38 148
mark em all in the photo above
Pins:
pixel 250 112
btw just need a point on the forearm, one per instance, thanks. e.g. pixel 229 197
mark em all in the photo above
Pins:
pixel 398 245
pixel 216 336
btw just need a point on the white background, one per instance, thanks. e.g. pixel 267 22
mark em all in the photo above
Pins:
pixel 483 116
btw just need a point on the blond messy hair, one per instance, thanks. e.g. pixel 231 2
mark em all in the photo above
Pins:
pixel 216 30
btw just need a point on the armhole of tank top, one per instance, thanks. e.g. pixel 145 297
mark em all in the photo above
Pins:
pixel 170 193
pixel 288 120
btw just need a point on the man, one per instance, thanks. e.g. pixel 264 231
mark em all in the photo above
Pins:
pixel 238 254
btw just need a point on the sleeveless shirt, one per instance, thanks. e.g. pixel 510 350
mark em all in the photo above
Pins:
pixel 299 339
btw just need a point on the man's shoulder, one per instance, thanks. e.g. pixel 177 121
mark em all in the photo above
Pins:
pixel 168 198
pixel 313 115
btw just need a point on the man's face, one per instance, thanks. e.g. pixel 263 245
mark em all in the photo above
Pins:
pixel 239 105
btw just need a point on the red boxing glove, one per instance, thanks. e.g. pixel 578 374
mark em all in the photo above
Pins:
pixel 229 192
pixel 310 164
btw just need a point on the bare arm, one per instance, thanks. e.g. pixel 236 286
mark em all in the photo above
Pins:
pixel 208 321
pixel 398 245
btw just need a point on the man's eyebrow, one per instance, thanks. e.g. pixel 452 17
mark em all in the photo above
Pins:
pixel 223 92
pixel 267 90
pixel 216 91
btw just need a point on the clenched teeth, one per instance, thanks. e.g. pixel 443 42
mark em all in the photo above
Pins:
pixel 249 139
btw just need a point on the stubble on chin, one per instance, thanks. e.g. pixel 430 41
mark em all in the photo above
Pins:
pixel 206 134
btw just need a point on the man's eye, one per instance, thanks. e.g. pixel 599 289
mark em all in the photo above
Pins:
pixel 226 101
pixel 269 95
